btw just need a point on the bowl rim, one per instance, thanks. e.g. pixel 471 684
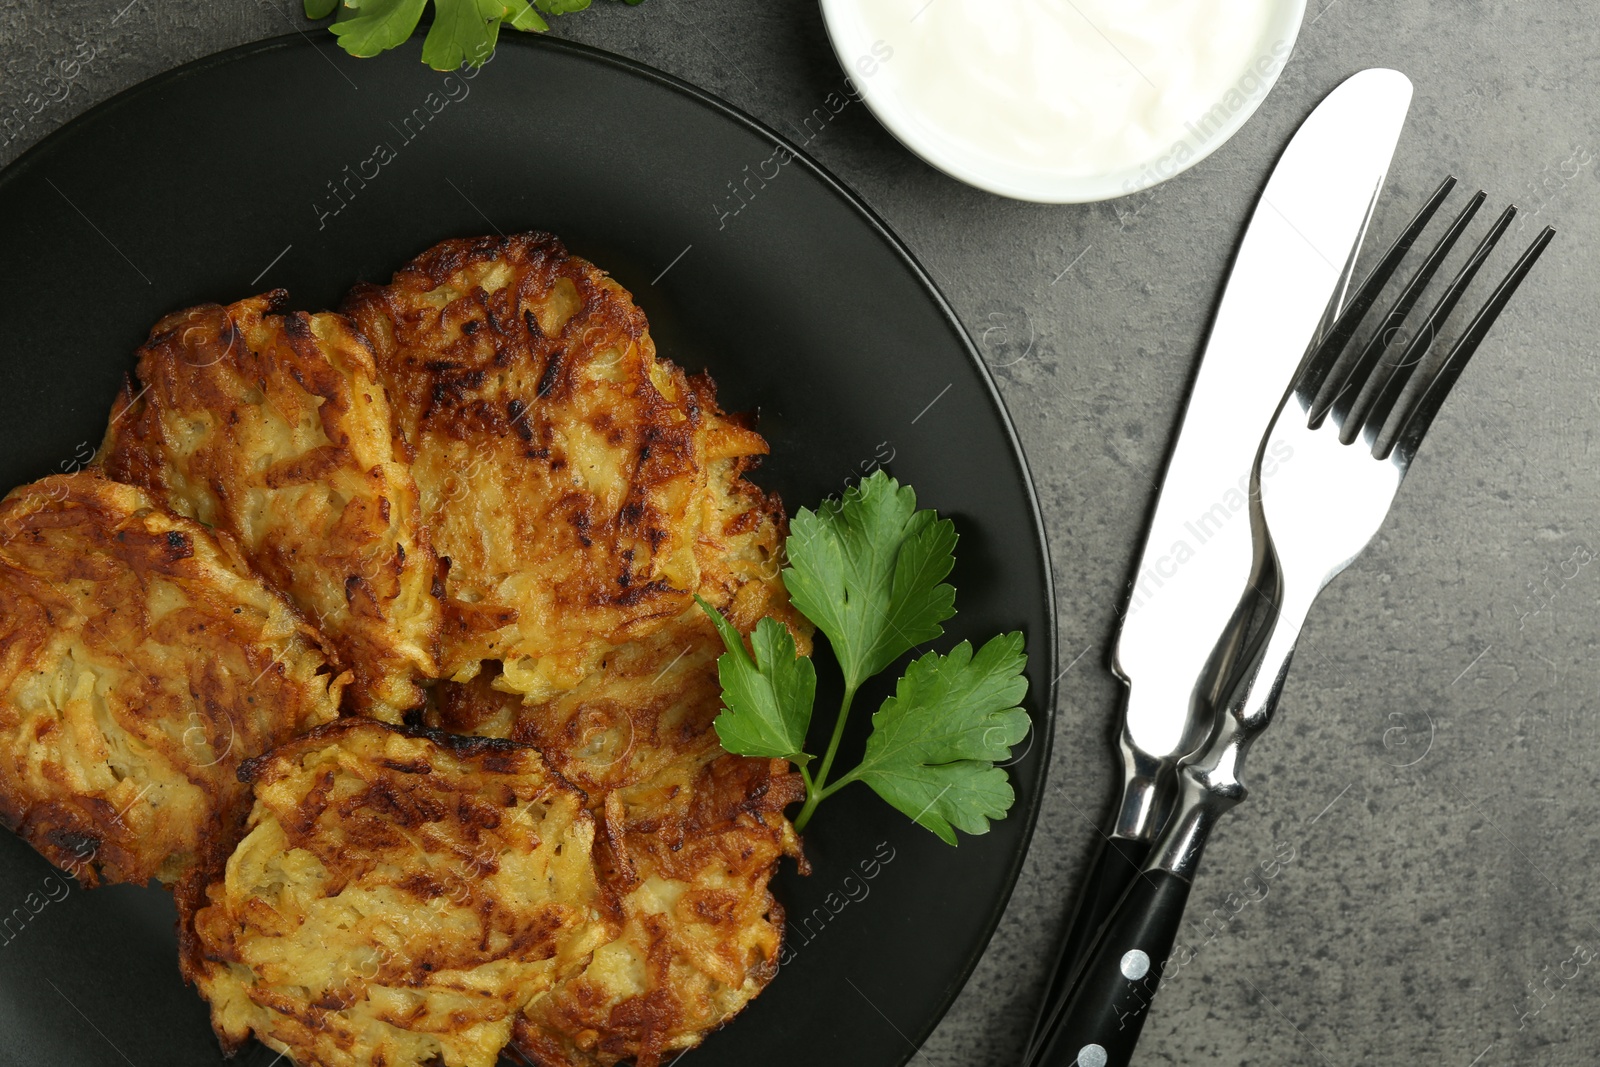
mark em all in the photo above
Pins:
pixel 899 116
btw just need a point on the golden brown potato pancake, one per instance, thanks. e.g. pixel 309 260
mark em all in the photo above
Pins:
pixel 580 492
pixel 272 425
pixel 687 860
pixel 692 837
pixel 579 489
pixel 141 663
pixel 399 899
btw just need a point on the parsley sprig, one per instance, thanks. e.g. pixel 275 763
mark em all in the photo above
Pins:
pixel 868 570
pixel 463 31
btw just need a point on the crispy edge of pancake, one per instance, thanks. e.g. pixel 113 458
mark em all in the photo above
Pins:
pixel 141 663
pixel 334 521
pixel 401 894
pixel 744 528
pixel 522 372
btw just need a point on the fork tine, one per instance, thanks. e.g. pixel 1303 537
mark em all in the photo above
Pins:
pixel 1428 332
pixel 1344 389
pixel 1422 413
pixel 1328 350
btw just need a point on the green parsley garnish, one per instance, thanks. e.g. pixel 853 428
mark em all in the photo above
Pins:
pixel 463 31
pixel 868 571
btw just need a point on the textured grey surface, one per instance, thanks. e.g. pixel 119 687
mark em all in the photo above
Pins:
pixel 1433 770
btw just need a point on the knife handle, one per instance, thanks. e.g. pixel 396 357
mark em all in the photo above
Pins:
pixel 1099 1021
pixel 1116 861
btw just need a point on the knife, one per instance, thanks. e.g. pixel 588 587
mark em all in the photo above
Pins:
pixel 1183 627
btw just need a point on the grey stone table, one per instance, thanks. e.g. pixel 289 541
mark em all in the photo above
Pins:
pixel 1430 794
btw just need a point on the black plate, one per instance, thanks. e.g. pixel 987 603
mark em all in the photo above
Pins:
pixel 228 176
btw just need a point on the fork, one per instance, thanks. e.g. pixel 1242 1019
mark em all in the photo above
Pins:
pixel 1354 421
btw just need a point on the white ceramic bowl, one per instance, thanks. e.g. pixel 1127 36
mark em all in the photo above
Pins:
pixel 905 116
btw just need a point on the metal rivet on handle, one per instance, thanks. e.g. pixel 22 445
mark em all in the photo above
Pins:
pixel 1135 965
pixel 1091 1056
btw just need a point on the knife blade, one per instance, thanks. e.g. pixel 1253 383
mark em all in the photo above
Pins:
pixel 1293 265
pixel 1299 247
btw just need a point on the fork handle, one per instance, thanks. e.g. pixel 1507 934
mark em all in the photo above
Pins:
pixel 1099 1022
pixel 1117 860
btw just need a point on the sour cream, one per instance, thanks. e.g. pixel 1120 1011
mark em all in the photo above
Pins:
pixel 1063 100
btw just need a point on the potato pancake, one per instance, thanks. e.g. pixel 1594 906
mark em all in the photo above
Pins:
pixel 273 427
pixel 688 857
pixel 398 900
pixel 141 663
pixel 580 491
pixel 692 837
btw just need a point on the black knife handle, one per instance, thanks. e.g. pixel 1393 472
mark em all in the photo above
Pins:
pixel 1099 1022
pixel 1116 861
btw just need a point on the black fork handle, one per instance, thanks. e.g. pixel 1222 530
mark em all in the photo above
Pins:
pixel 1116 861
pixel 1099 1021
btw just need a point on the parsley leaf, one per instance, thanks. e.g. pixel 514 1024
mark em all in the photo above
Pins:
pixel 868 570
pixel 465 31
pixel 367 27
pixel 767 701
pixel 934 743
